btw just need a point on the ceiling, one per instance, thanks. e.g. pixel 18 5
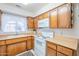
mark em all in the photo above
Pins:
pixel 31 7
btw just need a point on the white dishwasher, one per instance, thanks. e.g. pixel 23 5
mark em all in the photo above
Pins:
pixel 40 46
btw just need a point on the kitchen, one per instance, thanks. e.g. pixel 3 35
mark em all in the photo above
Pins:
pixel 39 29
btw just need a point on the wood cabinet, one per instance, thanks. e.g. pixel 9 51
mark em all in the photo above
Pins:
pixel 64 16
pixel 12 50
pixel 58 50
pixel 60 54
pixel 21 47
pixel 46 15
pixel 36 22
pixel 59 17
pixel 51 52
pixel 30 22
pixel 53 19
pixel 30 43
pixel 15 46
pixel 51 45
pixel 51 49
pixel 3 50
pixel 64 50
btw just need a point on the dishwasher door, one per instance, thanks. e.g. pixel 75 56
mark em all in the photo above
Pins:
pixel 40 47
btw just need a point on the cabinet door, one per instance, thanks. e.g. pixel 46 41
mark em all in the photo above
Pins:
pixel 65 51
pixel 12 50
pixel 30 22
pixel 21 47
pixel 64 16
pixel 40 17
pixel 2 50
pixel 46 15
pixel 30 43
pixel 53 19
pixel 36 22
pixel 51 45
pixel 51 52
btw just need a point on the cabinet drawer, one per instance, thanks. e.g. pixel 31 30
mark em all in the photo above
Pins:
pixel 51 45
pixel 15 40
pixel 2 42
pixel 64 50
pixel 10 41
pixel 59 48
pixel 51 52
pixel 60 54
pixel 67 51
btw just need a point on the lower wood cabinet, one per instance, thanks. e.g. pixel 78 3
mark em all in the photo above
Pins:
pixel 30 44
pixel 60 54
pixel 16 46
pixel 51 52
pixel 58 50
pixel 21 47
pixel 2 50
pixel 12 50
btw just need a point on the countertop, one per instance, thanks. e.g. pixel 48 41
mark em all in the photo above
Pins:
pixel 5 37
pixel 65 41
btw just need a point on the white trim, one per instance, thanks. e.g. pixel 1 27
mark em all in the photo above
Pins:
pixel 33 52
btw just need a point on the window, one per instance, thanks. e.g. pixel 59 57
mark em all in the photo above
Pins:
pixel 12 23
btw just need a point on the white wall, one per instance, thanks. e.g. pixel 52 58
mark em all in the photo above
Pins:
pixel 13 9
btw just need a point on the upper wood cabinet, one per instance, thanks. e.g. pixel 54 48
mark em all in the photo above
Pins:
pixel 60 17
pixel 46 15
pixel 53 18
pixel 64 16
pixel 43 20
pixel 36 22
pixel 30 22
pixel 43 16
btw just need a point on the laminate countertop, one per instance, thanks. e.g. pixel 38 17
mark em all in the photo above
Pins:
pixel 5 37
pixel 65 41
